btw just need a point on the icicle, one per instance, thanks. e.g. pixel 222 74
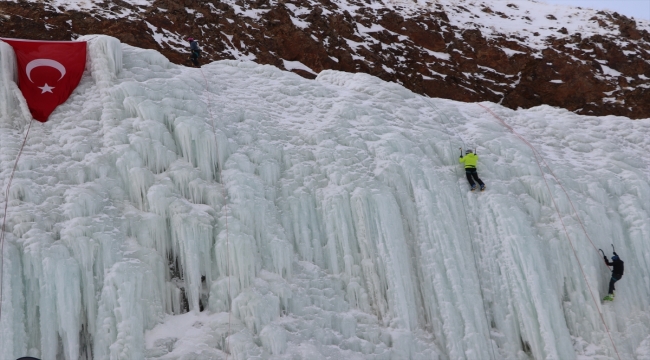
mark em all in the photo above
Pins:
pixel 256 310
pixel 12 103
pixel 192 239
pixel 274 339
pixel 13 336
pixel 104 58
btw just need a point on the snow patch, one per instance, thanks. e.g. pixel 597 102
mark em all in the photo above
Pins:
pixel 291 65
pixel 609 71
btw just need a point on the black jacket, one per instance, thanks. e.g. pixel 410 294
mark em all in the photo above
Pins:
pixel 618 265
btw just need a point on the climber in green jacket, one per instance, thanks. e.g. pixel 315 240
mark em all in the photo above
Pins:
pixel 470 160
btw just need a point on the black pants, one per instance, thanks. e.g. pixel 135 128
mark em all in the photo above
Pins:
pixel 615 278
pixel 471 173
pixel 195 57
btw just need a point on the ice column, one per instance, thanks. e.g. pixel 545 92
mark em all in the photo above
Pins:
pixel 104 59
pixel 12 103
pixel 13 336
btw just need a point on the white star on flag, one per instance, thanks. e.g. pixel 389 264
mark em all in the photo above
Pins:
pixel 46 88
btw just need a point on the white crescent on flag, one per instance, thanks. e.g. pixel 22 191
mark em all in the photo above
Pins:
pixel 44 62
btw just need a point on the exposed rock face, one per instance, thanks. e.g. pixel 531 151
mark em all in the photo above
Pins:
pixel 520 55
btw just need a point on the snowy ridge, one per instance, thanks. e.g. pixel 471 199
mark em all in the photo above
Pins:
pixel 519 54
pixel 126 9
pixel 347 229
pixel 521 18
pixel 529 23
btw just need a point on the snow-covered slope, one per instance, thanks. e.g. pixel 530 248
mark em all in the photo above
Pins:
pixel 245 212
pixel 522 19
pixel 519 54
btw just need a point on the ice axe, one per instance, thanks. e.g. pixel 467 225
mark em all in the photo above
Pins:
pixel 605 256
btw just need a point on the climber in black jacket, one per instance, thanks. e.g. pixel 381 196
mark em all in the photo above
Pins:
pixel 195 52
pixel 617 274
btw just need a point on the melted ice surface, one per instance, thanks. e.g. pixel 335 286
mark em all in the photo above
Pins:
pixel 318 219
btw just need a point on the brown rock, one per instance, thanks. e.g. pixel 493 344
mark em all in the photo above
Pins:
pixel 422 50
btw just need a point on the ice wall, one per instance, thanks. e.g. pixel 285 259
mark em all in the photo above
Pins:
pixel 167 212
pixel 13 107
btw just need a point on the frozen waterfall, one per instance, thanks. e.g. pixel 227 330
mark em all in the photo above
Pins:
pixel 317 219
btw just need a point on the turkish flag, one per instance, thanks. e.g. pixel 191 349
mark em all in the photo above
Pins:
pixel 48 72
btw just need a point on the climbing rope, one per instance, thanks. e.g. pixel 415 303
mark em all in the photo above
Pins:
pixel 549 169
pixel 557 209
pixel 469 229
pixel 4 218
pixel 223 188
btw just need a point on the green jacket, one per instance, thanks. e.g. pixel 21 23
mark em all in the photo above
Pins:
pixel 470 161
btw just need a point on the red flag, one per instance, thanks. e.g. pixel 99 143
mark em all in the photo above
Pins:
pixel 48 72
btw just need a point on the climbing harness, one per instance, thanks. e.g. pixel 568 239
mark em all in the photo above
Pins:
pixel 4 218
pixel 538 156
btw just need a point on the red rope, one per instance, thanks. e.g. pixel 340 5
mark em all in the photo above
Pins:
pixel 223 188
pixel 549 169
pixel 4 219
pixel 575 254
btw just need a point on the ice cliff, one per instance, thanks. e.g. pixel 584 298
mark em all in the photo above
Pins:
pixel 241 211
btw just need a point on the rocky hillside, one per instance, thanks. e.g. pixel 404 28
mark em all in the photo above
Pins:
pixel 519 53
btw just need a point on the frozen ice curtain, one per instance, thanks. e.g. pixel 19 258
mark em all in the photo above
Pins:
pixel 347 234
